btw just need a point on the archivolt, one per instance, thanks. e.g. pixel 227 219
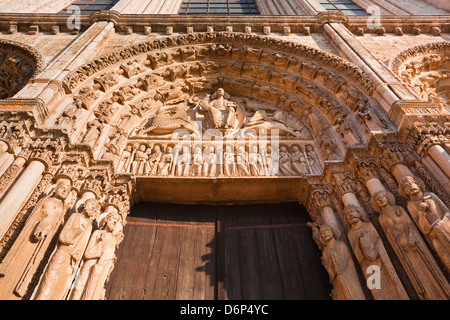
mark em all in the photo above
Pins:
pixel 123 88
pixel 19 63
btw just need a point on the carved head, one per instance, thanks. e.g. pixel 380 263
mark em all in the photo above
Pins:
pixel 220 92
pixel 62 189
pixel 353 213
pixel 113 222
pixel 326 233
pixel 411 186
pixel 382 199
pixel 91 207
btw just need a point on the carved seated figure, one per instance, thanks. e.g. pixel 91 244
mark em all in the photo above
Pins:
pixel 221 113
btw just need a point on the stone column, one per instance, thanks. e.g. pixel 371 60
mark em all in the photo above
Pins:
pixel 11 173
pixel 19 193
pixel 320 205
pixel 345 187
pixel 336 253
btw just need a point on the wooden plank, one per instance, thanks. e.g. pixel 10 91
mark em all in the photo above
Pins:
pixel 206 262
pixel 250 276
pixel 210 217
pixel 229 246
pixel 269 267
pixel 165 271
pixel 292 278
pixel 186 266
pixel 156 253
pixel 316 280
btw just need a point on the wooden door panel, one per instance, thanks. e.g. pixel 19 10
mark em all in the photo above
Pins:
pixel 204 252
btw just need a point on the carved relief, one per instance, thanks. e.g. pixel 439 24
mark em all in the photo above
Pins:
pixel 430 214
pixel 72 242
pixel 426 69
pixel 18 63
pixel 98 259
pixel 34 240
pixel 369 251
pixel 424 273
pixel 337 260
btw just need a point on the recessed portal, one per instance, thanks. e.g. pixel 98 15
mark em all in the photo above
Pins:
pixel 205 252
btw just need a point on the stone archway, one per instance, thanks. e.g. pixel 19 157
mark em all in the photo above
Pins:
pixel 136 98
pixel 425 68
pixel 131 104
pixel 18 64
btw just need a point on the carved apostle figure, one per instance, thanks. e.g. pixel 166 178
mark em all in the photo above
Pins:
pixel 229 166
pixel 139 163
pixel 99 259
pixel 418 262
pixel 183 162
pixel 210 162
pixel 254 161
pixel 285 162
pixel 312 159
pixel 430 214
pixel 298 161
pixel 370 252
pixel 197 162
pixel 71 244
pixel 153 159
pixel 125 160
pixel 165 164
pixel 241 161
pixel 17 269
pixel 338 262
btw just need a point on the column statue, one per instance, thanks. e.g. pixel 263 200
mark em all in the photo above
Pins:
pixel 430 214
pixel 71 244
pixel 423 271
pixel 338 262
pixel 369 251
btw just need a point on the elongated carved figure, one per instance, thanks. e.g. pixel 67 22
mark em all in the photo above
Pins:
pixel 420 266
pixel 430 214
pixel 99 259
pixel 338 262
pixel 23 259
pixel 72 242
pixel 369 251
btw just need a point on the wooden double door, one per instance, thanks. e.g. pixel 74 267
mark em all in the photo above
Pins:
pixel 204 252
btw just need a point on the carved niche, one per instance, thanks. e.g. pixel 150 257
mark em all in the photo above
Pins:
pixel 18 64
pixel 426 69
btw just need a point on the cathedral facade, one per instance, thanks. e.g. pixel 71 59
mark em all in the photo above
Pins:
pixel 339 106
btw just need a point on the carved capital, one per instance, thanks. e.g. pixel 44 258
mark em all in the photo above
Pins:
pixel 319 197
pixel 366 170
pixel 343 183
pixel 49 152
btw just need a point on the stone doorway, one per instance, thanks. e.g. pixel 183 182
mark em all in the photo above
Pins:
pixel 206 252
